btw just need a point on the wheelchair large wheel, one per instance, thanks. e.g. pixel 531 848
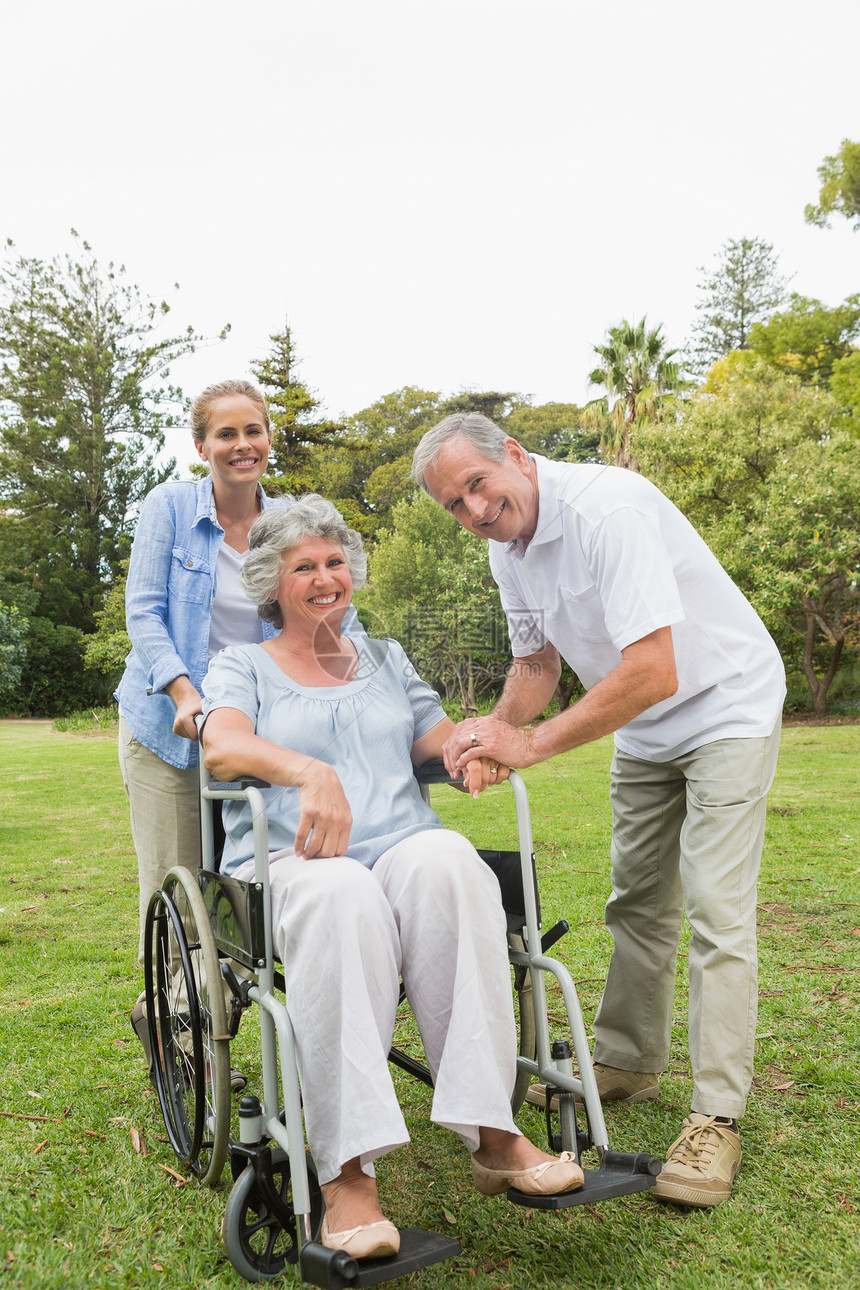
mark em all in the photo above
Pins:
pixel 526 1025
pixel 188 1025
pixel 257 1243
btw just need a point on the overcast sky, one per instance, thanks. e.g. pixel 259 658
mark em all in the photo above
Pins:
pixel 450 194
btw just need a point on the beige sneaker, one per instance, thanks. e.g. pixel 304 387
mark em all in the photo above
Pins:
pixel 701 1165
pixel 612 1085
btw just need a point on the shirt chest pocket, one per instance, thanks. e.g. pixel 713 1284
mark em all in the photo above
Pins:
pixel 584 611
pixel 189 576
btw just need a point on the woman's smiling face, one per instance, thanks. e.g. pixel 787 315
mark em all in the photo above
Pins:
pixel 236 444
pixel 315 584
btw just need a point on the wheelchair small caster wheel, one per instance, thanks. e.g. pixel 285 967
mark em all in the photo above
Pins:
pixel 258 1245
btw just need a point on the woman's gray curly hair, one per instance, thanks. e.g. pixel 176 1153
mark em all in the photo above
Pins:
pixel 281 528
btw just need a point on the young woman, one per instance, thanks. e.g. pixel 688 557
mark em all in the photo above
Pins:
pixel 185 602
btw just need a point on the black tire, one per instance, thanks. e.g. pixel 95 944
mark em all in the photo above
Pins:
pixel 188 1025
pixel 258 1245
pixel 525 1026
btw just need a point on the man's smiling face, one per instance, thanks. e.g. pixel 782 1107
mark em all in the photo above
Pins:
pixel 493 499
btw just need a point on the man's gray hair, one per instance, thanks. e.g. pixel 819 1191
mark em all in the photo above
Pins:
pixel 482 433
pixel 281 528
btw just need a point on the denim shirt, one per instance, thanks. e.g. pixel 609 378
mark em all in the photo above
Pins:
pixel 169 597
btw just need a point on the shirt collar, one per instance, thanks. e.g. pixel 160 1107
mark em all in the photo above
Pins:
pixel 548 526
pixel 205 502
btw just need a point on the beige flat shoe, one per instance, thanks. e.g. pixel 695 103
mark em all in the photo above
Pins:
pixel 551 1178
pixel 379 1240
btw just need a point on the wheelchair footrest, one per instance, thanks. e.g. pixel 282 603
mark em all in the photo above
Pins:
pixel 333 1270
pixel 620 1174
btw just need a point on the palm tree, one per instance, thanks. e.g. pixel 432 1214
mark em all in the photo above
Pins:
pixel 637 374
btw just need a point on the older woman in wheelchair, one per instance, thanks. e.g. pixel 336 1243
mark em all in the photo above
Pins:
pixel 366 885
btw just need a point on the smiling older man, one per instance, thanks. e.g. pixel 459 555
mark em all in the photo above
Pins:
pixel 595 565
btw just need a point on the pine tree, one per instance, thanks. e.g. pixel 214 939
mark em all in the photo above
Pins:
pixel 292 409
pixel 744 288
pixel 82 419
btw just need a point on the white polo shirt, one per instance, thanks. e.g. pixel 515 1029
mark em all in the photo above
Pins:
pixel 612 560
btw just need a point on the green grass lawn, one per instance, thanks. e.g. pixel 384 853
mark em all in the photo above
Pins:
pixel 90 1192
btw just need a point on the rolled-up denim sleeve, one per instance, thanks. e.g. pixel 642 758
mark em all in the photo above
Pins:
pixel 146 593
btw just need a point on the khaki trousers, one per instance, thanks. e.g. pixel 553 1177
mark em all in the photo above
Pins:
pixel 687 833
pixel 164 804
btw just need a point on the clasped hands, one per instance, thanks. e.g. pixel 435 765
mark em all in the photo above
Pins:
pixel 487 740
pixel 471 752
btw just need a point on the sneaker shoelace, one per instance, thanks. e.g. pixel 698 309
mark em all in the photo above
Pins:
pixel 697 1147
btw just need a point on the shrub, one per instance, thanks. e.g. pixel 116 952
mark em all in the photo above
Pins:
pixel 53 677
pixel 13 649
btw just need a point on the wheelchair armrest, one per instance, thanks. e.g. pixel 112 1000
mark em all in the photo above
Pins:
pixel 248 781
pixel 226 786
pixel 434 772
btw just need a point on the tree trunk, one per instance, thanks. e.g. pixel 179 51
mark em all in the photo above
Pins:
pixel 818 688
pixel 466 686
pixel 564 691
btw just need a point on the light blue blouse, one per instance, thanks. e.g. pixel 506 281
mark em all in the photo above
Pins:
pixel 364 730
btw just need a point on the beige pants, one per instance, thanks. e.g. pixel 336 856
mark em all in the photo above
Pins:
pixel 164 804
pixel 687 833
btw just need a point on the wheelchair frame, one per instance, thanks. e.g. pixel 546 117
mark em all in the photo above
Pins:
pixel 275 1207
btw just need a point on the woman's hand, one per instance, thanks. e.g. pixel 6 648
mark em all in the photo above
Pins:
pixel 325 819
pixel 481 772
pixel 188 705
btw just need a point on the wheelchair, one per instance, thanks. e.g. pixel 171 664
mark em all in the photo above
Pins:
pixel 209 956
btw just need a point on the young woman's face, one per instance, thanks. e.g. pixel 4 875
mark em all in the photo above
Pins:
pixel 237 443
pixel 315 584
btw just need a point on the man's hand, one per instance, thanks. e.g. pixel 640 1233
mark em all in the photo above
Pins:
pixel 325 819
pixel 488 737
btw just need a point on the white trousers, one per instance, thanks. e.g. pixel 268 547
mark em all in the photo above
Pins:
pixel 687 832
pixel 430 909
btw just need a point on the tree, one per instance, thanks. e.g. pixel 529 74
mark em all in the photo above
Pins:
pixel 638 374
pixel 806 542
pixel 743 288
pixel 845 388
pixel 430 586
pixel 13 650
pixel 54 680
pixel 755 464
pixel 107 647
pixel 548 428
pixel 291 412
pixel 716 462
pixel 840 187
pixel 490 403
pixel 82 418
pixel 808 339
pixel 365 470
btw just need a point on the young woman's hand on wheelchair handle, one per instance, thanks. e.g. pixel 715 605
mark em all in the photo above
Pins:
pixel 188 705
